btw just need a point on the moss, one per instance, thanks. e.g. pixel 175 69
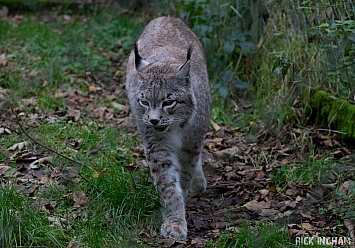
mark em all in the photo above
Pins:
pixel 334 113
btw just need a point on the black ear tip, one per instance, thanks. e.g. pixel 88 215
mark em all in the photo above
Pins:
pixel 137 57
pixel 189 51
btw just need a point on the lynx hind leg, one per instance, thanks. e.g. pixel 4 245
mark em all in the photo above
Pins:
pixel 198 181
pixel 167 181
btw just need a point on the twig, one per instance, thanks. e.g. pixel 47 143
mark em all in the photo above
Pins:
pixel 54 151
pixel 329 130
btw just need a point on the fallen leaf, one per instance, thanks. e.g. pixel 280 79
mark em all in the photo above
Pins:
pixel 3 59
pixel 255 205
pixel 328 143
pixel 213 143
pixel 168 242
pixel 11 171
pixel 215 126
pixel 4 169
pixel 265 194
pixel 75 114
pixel 268 212
pixel 233 229
pixel 320 223
pixel 37 163
pixel 296 232
pixel 80 199
pixel 117 106
pixel 19 146
pixel 92 89
pixel 226 153
pixel 306 226
pixel 306 214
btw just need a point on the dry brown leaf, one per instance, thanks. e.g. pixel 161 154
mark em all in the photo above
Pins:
pixel 269 212
pixel 255 205
pixel 92 89
pixel 60 94
pixel 3 59
pixel 100 112
pixel 75 114
pixel 296 232
pixel 80 199
pixel 37 163
pixel 4 130
pixel 213 143
pixel 265 194
pixel 306 214
pixel 215 126
pixel 344 187
pixel 168 242
pixel 306 226
pixel 72 245
pixel 226 153
pixel 320 223
pixel 328 143
pixel 19 146
pixel 3 169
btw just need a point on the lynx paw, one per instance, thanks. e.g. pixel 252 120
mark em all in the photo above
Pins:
pixel 198 185
pixel 174 229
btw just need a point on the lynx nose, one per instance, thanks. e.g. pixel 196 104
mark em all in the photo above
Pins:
pixel 154 121
pixel 154 116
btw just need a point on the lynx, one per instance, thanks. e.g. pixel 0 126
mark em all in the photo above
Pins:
pixel 169 94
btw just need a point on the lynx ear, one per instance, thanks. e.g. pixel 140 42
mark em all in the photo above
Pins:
pixel 139 62
pixel 184 69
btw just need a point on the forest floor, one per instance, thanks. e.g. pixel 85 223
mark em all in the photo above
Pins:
pixel 298 178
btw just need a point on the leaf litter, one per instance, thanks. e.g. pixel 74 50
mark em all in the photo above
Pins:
pixel 240 172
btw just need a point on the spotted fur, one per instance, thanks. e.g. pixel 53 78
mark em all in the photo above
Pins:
pixel 169 94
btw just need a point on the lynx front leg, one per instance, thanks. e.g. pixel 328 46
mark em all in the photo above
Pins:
pixel 165 174
pixel 198 184
pixel 193 180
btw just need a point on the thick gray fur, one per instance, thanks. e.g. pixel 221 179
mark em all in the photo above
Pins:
pixel 169 94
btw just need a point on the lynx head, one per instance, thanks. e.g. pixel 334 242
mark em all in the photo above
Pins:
pixel 165 98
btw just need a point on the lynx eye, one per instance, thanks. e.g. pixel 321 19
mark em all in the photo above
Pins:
pixel 169 103
pixel 144 103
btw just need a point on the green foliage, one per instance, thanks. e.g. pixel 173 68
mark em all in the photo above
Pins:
pixel 311 172
pixel 334 113
pixel 225 34
pixel 114 215
pixel 263 234
pixel 337 42
pixel 21 224
pixel 57 52
pixel 346 203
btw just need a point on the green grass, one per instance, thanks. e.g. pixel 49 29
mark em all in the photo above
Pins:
pixel 24 225
pixel 61 53
pixel 312 172
pixel 261 234
pixel 114 215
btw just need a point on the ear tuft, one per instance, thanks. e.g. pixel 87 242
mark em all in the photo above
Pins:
pixel 189 51
pixel 138 61
pixel 184 69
